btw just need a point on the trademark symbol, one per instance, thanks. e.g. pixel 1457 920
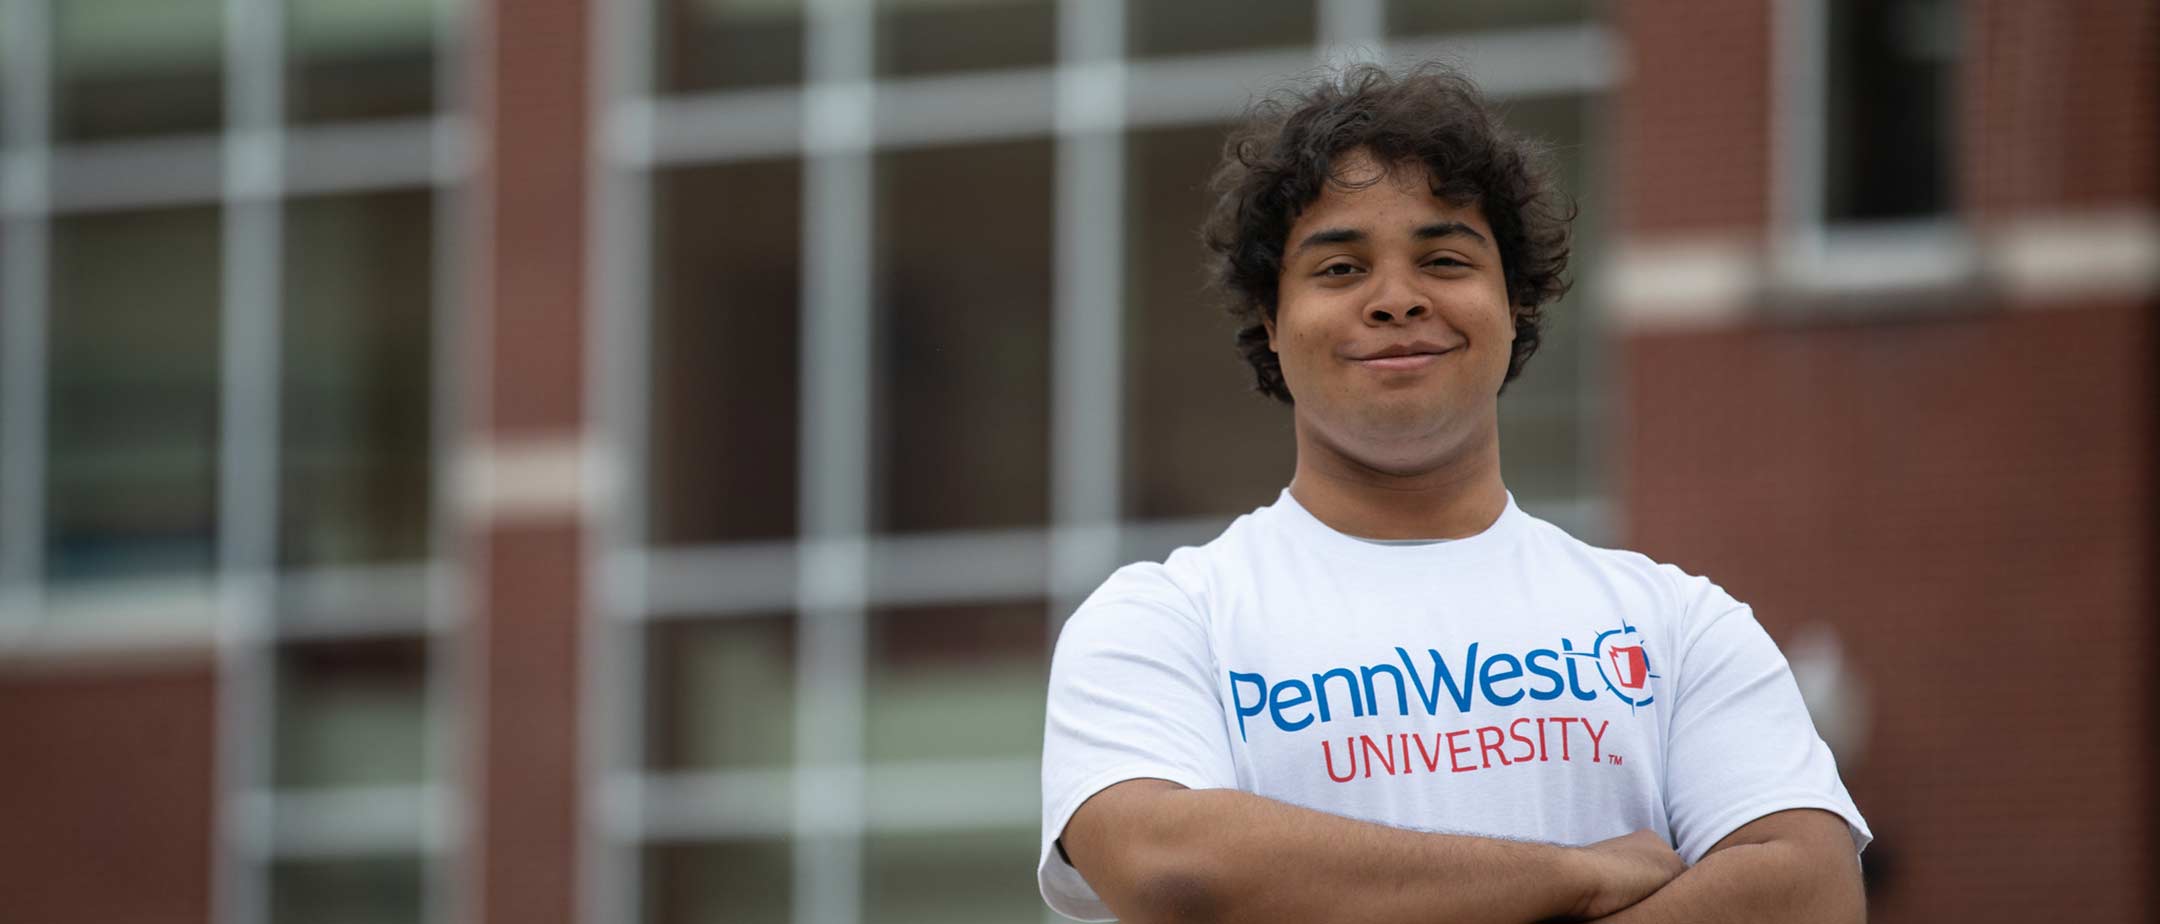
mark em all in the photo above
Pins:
pixel 1614 758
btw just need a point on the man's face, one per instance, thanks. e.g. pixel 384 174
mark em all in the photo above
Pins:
pixel 1392 319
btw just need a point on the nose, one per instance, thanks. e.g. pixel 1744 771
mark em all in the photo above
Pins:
pixel 1395 301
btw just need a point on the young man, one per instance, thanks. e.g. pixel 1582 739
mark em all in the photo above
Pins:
pixel 1393 695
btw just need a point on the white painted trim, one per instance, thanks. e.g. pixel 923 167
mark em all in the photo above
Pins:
pixel 2044 259
pixel 2054 258
pixel 561 476
pixel 1681 283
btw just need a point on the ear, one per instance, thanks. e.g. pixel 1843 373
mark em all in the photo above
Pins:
pixel 1269 324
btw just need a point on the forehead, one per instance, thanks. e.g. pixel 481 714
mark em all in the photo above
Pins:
pixel 1361 193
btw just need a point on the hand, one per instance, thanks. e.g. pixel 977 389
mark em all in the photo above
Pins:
pixel 1625 870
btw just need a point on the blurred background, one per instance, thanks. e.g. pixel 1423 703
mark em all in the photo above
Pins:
pixel 628 460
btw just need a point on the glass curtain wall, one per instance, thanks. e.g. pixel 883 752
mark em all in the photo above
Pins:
pixel 906 329
pixel 228 269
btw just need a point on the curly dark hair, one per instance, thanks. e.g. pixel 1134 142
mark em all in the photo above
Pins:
pixel 1279 161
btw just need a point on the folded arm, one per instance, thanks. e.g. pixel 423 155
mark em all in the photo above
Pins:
pixel 1156 851
pixel 1792 866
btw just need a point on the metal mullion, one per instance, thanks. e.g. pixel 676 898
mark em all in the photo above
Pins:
pixel 26 139
pixel 618 321
pixel 1088 308
pixel 446 895
pixel 248 447
pixel 838 214
pixel 1352 29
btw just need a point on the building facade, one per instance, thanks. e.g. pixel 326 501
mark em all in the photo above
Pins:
pixel 565 460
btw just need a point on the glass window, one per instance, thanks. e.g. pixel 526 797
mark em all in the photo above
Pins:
pixel 124 67
pixel 726 44
pixel 352 713
pixel 951 877
pixel 1420 17
pixel 1545 452
pixel 1198 439
pixel 359 890
pixel 926 36
pixel 726 352
pixel 962 386
pixel 356 360
pixel 1191 26
pixel 132 441
pixel 1891 69
pixel 740 882
pixel 359 59
pixel 721 693
pixel 954 682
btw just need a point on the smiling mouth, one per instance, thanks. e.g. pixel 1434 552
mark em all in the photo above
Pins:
pixel 1403 363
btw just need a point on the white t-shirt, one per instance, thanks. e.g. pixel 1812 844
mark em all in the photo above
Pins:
pixel 1516 683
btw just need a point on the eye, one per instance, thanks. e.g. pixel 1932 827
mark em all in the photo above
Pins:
pixel 1331 269
pixel 1445 261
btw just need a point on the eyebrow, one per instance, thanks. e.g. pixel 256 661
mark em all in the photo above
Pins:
pixel 1438 229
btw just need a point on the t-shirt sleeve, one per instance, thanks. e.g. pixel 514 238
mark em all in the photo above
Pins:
pixel 1741 744
pixel 1132 695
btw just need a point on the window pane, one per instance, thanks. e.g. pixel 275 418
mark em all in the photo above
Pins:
pixel 1889 108
pixel 133 415
pixel 125 67
pixel 721 694
pixel 356 371
pixel 958 877
pixel 924 36
pixel 1418 17
pixel 1217 25
pixel 954 682
pixel 1198 439
pixel 359 59
pixel 1545 453
pixel 726 346
pixel 363 890
pixel 726 44
pixel 737 882
pixel 963 350
pixel 352 713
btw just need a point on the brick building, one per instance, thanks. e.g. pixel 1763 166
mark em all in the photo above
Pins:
pixel 465 460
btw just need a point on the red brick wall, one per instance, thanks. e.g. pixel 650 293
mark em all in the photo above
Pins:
pixel 2059 105
pixel 105 794
pixel 525 748
pixel 1692 132
pixel 1968 502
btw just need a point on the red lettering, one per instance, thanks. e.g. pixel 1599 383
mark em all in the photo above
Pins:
pixel 1369 749
pixel 1595 737
pixel 1432 758
pixel 1529 747
pixel 1452 750
pixel 1329 755
pixel 1563 722
pixel 1544 747
pixel 1486 748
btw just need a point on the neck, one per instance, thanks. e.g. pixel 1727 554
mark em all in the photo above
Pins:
pixel 1457 495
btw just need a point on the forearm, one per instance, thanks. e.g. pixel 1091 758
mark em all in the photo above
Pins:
pixel 1225 855
pixel 1773 882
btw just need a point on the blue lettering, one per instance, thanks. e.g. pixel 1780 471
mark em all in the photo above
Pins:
pixel 1431 697
pixel 1260 685
pixel 1487 676
pixel 1276 704
pixel 1402 694
pixel 1319 683
pixel 1548 673
pixel 1574 682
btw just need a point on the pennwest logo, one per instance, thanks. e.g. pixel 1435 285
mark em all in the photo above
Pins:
pixel 1616 662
